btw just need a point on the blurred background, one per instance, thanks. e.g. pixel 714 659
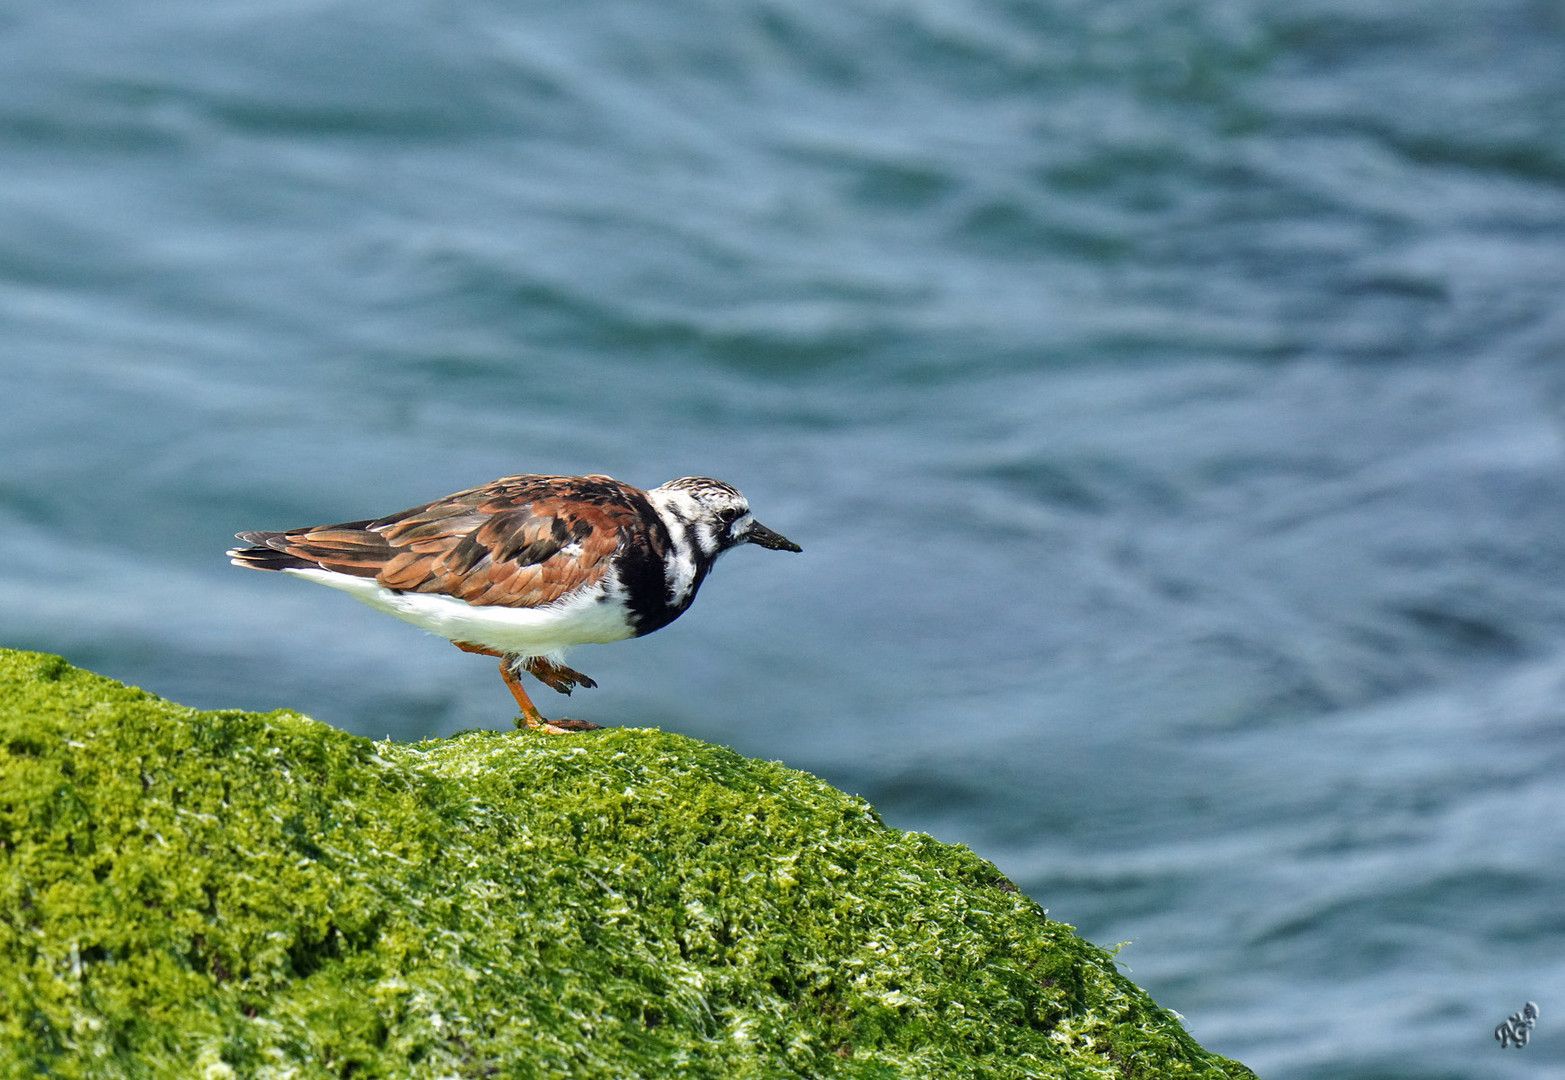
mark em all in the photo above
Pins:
pixel 1167 395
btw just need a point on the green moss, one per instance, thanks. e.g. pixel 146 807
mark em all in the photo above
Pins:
pixel 228 894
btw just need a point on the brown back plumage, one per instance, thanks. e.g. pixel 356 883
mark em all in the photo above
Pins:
pixel 520 541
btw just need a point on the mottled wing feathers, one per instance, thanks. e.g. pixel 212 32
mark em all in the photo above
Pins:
pixel 521 541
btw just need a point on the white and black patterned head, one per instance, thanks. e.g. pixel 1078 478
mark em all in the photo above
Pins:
pixel 713 516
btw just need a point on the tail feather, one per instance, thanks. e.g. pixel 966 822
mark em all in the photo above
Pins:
pixel 261 557
pixel 349 548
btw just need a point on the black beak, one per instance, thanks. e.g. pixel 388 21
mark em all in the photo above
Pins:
pixel 760 534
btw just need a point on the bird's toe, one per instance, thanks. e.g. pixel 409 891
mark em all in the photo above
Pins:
pixel 562 726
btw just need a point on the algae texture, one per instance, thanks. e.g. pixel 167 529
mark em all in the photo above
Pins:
pixel 227 894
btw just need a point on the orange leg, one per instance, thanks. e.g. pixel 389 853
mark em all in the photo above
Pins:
pixel 531 717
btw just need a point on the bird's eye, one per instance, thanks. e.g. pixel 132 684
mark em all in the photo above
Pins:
pixel 728 515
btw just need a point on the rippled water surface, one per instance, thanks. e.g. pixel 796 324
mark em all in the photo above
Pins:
pixel 1167 394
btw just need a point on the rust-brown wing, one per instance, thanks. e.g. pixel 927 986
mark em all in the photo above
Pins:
pixel 520 541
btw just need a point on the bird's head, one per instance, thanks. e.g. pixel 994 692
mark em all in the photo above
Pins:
pixel 716 516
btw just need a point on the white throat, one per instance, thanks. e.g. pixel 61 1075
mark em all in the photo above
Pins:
pixel 692 537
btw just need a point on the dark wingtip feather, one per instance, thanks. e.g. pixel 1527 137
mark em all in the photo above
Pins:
pixel 255 537
pixel 265 558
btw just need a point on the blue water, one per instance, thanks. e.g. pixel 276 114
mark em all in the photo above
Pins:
pixel 1168 396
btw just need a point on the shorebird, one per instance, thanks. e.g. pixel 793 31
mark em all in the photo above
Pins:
pixel 524 567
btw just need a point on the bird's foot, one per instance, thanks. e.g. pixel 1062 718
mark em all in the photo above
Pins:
pixel 555 674
pixel 563 726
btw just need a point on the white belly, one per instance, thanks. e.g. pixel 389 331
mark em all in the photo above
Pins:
pixel 581 619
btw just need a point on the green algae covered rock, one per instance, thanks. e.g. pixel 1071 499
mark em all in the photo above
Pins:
pixel 224 894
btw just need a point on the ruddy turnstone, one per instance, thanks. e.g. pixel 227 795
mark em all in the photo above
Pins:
pixel 527 566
